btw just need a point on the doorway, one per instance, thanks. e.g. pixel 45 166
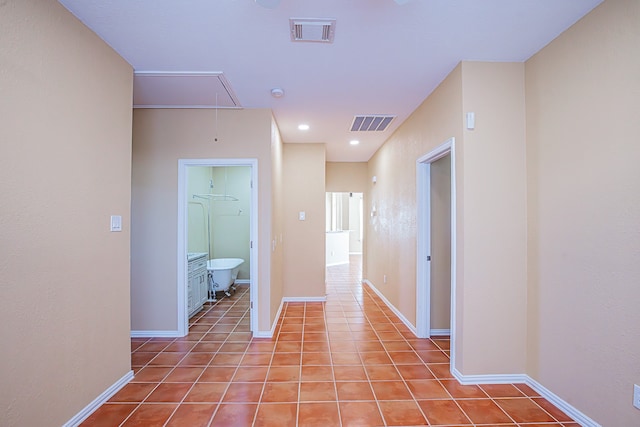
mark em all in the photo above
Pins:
pixel 344 227
pixel 426 167
pixel 223 191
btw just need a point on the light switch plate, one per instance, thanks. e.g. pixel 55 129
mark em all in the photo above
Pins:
pixel 302 215
pixel 636 396
pixel 116 223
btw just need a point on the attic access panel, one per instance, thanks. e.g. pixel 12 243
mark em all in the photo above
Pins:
pixel 182 90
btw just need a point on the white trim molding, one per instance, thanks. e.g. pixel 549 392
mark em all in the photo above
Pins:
pixel 558 402
pixel 392 307
pixel 439 332
pixel 98 401
pixel 181 287
pixel 304 299
pixel 271 333
pixel 562 404
pixel 156 334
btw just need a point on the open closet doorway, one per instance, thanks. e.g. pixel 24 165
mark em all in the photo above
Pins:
pixel 217 233
pixel 436 251
pixel 344 229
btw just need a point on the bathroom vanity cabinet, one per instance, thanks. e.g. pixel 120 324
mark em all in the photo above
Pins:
pixel 197 285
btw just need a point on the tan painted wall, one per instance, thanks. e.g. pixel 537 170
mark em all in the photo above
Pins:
pixel 583 122
pixel 441 243
pixel 65 132
pixel 346 177
pixel 160 138
pixel 390 237
pixel 304 241
pixel 494 287
pixel 491 212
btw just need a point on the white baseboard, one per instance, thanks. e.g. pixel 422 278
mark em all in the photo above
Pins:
pixel 104 396
pixel 269 334
pixel 439 332
pixel 243 281
pixel 392 307
pixel 304 299
pixel 561 404
pixel 155 334
pixel 333 264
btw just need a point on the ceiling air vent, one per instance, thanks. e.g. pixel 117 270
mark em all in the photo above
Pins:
pixel 312 29
pixel 371 123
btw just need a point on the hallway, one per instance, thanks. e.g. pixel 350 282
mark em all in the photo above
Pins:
pixel 347 362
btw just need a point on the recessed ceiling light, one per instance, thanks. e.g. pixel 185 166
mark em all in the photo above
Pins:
pixel 354 142
pixel 303 127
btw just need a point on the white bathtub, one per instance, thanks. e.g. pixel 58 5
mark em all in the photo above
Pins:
pixel 223 273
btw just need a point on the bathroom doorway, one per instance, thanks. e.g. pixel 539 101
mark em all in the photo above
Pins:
pixel 217 224
pixel 436 238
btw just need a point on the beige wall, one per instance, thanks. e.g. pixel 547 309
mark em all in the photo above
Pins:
pixel 160 138
pixel 350 177
pixel 491 212
pixel 304 241
pixel 65 127
pixel 583 122
pixel 390 235
pixel 494 284
pixel 441 243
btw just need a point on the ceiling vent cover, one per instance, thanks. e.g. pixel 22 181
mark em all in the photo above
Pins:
pixel 374 122
pixel 312 29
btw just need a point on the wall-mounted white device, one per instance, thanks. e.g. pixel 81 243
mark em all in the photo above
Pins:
pixel 116 223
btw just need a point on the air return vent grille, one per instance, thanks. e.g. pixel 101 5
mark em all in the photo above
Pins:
pixel 377 123
pixel 312 29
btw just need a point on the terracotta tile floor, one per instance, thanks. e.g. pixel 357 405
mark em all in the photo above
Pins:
pixel 346 362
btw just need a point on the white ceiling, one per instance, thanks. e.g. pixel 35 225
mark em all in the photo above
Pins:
pixel 385 59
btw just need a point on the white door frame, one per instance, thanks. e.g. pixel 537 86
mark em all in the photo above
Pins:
pixel 423 266
pixel 183 315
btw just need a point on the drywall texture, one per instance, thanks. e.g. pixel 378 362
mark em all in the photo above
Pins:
pixel 346 177
pixel 160 138
pixel 304 241
pixel 390 232
pixel 65 127
pixel 440 175
pixel 584 208
pixel 490 178
pixel 495 272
